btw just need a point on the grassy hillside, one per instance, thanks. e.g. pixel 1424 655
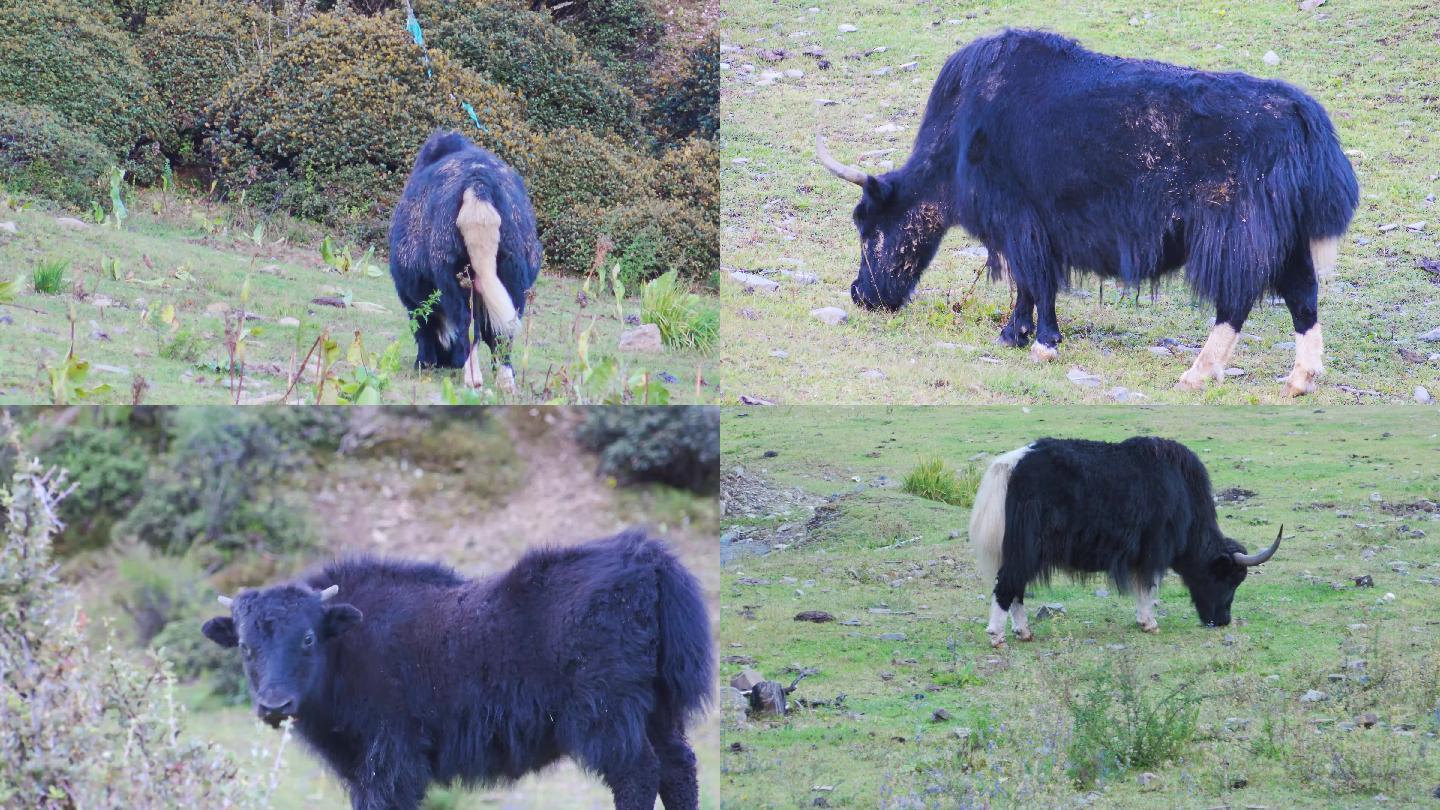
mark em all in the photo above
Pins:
pixel 816 520
pixel 195 258
pixel 791 72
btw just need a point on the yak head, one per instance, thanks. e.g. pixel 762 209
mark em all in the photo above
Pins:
pixel 900 231
pixel 1212 588
pixel 282 633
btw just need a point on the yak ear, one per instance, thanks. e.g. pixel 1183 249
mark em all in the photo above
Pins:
pixel 339 618
pixel 878 190
pixel 221 630
pixel 1223 566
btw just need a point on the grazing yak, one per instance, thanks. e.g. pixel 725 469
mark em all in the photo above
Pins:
pixel 1131 510
pixel 414 675
pixel 464 227
pixel 1060 159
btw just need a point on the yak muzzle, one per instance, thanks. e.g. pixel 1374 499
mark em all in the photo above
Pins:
pixel 274 710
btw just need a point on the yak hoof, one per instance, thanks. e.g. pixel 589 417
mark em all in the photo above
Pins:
pixel 1041 353
pixel 1025 635
pixel 1301 382
pixel 1193 380
pixel 1152 627
pixel 997 639
pixel 505 378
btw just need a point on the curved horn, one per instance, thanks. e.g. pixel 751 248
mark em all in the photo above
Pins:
pixel 837 168
pixel 329 592
pixel 226 601
pixel 1260 557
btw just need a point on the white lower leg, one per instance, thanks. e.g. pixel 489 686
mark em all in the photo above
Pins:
pixel 1309 349
pixel 479 225
pixel 473 377
pixel 1018 621
pixel 1145 609
pixel 505 378
pixel 1041 353
pixel 996 629
pixel 1210 363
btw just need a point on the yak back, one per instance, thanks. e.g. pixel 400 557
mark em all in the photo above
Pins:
pixel 493 678
pixel 1062 158
pixel 1083 507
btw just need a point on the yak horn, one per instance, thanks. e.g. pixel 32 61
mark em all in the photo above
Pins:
pixel 837 168
pixel 329 592
pixel 1260 557
pixel 226 601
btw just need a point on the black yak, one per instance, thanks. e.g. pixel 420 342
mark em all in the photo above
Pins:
pixel 1132 510
pixel 415 675
pixel 1061 159
pixel 464 227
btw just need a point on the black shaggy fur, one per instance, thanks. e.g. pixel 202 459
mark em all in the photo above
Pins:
pixel 427 252
pixel 598 652
pixel 1059 159
pixel 1131 510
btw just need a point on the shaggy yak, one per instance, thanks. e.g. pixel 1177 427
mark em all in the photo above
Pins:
pixel 402 674
pixel 1132 510
pixel 1060 159
pixel 464 227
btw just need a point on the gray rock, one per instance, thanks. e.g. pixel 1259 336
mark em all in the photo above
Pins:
pixel 1049 611
pixel 825 102
pixel 9 227
pixel 1314 696
pixel 755 282
pixel 746 680
pixel 288 321
pixel 831 315
pixel 1422 395
pixel 71 222
pixel 892 637
pixel 1102 592
pixel 1082 378
pixel 846 28
pixel 1271 58
pixel 1432 336
pixel 643 338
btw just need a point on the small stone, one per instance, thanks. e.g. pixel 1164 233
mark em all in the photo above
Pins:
pixel 1238 782
pixel 892 636
pixel 1082 378
pixel 825 102
pixel 872 374
pixel 218 308
pixel 780 353
pixel 644 338
pixel 746 680
pixel 888 128
pixel 794 73
pixel 1234 372
pixel 846 28
pixel 1102 592
pixel 817 616
pixel 1271 58
pixel 804 278
pixel 1049 611
pixel 833 316
pixel 1432 336
pixel 909 66
pixel 1364 581
pixel 1422 395
pixel 754 282
pixel 1367 720
pixel 940 716
pixel 288 321
pixel 1314 696
pixel 1388 227
pixel 1416 226
pixel 9 227
pixel 71 222
pixel 1146 779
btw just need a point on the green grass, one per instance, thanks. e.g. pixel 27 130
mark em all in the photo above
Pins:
pixel 183 268
pixel 49 276
pixel 933 480
pixel 1348 485
pixel 684 319
pixel 1373 65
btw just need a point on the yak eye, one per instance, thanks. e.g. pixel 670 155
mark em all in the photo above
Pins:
pixel 309 640
pixel 245 649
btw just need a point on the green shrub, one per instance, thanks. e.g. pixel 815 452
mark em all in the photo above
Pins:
pixel 328 127
pixel 931 479
pixel 87 727
pixel 156 589
pixel 76 61
pixel 563 86
pixel 223 481
pixel 48 278
pixel 684 320
pixel 191 54
pixel 689 174
pixel 679 445
pixel 135 13
pixel 660 235
pixel 1120 725
pixel 108 467
pixel 620 33
pixel 687 102
pixel 46 156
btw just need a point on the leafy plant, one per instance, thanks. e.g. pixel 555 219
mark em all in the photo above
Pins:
pixel 679 446
pixel 48 277
pixel 117 197
pixel 344 263
pixel 932 480
pixel 683 319
pixel 1120 724
pixel 68 382
pixel 10 290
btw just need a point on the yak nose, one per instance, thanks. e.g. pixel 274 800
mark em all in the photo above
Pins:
pixel 275 706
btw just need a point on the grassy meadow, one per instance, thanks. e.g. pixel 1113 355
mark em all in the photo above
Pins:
pixel 908 705
pixel 153 307
pixel 791 72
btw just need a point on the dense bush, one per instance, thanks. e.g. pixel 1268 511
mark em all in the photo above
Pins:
pixel 223 482
pixel 329 125
pixel 679 446
pixel 563 86
pixel 44 155
pixel 83 727
pixel 192 53
pixel 76 61
pixel 108 467
pixel 135 13
pixel 690 174
pixel 687 103
pixel 619 32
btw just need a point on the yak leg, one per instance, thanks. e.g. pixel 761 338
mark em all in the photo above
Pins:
pixel 1018 622
pixel 636 784
pixel 1145 604
pixel 1008 599
pixel 679 787
pixel 996 628
pixel 1215 355
pixel 1300 289
pixel 1047 328
pixel 1022 321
